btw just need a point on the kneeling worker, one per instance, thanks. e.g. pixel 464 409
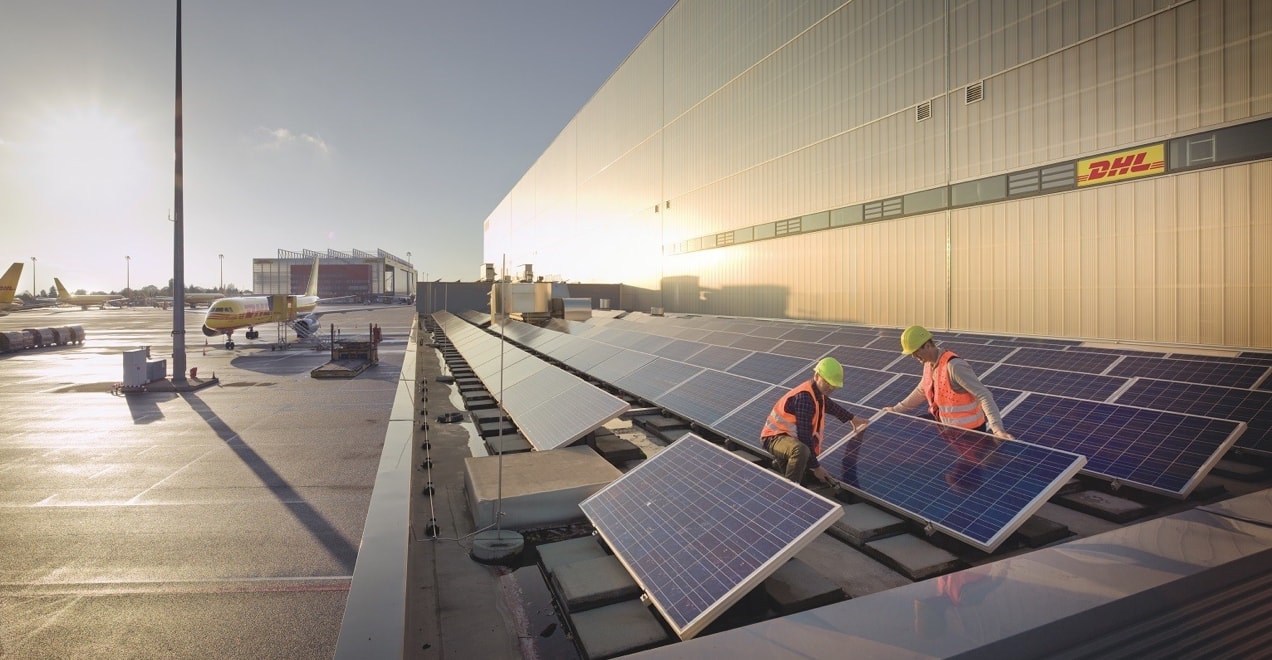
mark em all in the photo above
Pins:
pixel 793 431
pixel 953 392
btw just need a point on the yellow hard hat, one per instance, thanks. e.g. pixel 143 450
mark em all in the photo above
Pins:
pixel 830 369
pixel 914 338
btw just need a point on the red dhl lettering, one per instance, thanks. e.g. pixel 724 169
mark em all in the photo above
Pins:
pixel 1124 165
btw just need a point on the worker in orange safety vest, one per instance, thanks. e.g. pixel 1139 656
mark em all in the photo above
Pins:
pixel 953 392
pixel 793 430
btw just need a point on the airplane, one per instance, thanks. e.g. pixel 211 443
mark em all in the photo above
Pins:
pixel 9 287
pixel 85 301
pixel 194 299
pixel 229 314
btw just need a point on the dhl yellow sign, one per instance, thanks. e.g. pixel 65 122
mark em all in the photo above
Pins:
pixel 1123 165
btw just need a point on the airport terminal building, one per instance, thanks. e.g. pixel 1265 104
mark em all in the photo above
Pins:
pixel 1073 169
pixel 381 276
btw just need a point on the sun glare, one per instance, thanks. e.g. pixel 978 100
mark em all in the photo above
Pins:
pixel 88 160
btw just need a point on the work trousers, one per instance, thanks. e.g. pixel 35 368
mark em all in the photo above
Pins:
pixel 790 457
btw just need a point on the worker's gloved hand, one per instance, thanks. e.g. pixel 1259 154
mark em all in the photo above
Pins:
pixel 821 474
pixel 1003 435
pixel 888 409
pixel 859 424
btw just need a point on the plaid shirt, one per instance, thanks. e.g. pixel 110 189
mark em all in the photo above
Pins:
pixel 803 407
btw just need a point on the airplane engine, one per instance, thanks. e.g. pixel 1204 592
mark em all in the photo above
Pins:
pixel 306 327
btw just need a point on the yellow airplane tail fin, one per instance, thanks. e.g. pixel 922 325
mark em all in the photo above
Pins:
pixel 312 289
pixel 9 282
pixel 62 293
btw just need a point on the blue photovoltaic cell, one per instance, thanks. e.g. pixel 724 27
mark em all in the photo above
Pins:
pixel 1155 450
pixel 1190 371
pixel 679 349
pixel 869 358
pixel 618 365
pixel 770 368
pixel 810 335
pixel 698 528
pixel 591 356
pixel 858 383
pixel 720 338
pixel 851 339
pixel 717 357
pixel 1051 381
pixel 770 331
pixel 1265 358
pixel 710 395
pixel 1091 363
pixel 803 349
pixel 1253 407
pixel 657 377
pixel 1037 341
pixel 962 482
pixel 753 343
pixel 978 352
pixel 746 424
pixel 648 343
pixel 895 392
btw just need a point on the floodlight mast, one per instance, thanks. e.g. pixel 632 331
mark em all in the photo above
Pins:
pixel 178 233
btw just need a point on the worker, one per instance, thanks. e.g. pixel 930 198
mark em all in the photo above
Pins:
pixel 793 431
pixel 954 394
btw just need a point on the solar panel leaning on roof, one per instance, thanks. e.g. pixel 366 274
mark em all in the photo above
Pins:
pixel 1254 407
pixel 1191 371
pixel 961 482
pixel 1154 450
pixel 1051 381
pixel 699 528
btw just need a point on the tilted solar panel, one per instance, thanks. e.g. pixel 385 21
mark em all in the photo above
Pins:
pixel 771 368
pixel 618 365
pixel 803 349
pixel 810 335
pixel 1254 407
pixel 698 528
pixel 1154 450
pixel 717 357
pixel 679 349
pixel 567 416
pixel 963 483
pixel 1091 363
pixel 753 343
pixel 656 377
pixel 1051 381
pixel 746 424
pixel 869 358
pixel 710 395
pixel 1191 371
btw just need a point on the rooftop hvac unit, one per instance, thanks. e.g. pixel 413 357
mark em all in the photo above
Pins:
pixel 527 273
pixel 487 273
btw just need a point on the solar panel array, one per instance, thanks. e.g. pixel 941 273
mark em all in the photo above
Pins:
pixel 698 528
pixel 551 407
pixel 963 483
pixel 732 393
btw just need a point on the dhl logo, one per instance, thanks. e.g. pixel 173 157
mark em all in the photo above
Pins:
pixel 1145 161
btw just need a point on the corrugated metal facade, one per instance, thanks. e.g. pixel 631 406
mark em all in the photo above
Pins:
pixel 698 171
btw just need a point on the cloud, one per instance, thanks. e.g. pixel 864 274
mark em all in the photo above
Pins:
pixel 283 138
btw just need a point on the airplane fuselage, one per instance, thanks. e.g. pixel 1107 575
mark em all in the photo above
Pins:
pixel 229 314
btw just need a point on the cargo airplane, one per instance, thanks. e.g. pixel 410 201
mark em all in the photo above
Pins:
pixel 85 301
pixel 229 314
pixel 9 287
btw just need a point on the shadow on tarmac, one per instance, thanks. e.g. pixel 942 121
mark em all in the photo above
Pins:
pixel 339 547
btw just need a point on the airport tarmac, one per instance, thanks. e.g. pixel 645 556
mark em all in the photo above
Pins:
pixel 223 522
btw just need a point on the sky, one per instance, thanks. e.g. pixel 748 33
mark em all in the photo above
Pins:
pixel 317 124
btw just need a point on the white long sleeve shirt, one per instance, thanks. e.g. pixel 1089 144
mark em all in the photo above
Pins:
pixel 962 379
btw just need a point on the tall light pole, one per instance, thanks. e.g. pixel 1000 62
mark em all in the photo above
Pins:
pixel 222 258
pixel 33 293
pixel 128 275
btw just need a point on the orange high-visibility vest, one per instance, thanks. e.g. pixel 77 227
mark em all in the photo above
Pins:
pixel 781 422
pixel 947 405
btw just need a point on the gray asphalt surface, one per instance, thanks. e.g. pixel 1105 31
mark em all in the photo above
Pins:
pixel 219 523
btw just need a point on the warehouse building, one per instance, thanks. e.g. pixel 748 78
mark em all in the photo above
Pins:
pixel 361 276
pixel 1071 169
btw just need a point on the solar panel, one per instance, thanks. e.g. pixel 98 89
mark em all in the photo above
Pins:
pixel 858 383
pixel 648 343
pixel 1190 371
pixel 753 343
pixel 655 378
pixel 1091 363
pixel 978 352
pixel 720 338
pixel 618 365
pixel 710 395
pixel 1254 407
pixel 592 355
pixel 895 392
pixel 1051 381
pixel 770 331
pixel 679 349
pixel 855 339
pixel 745 424
pixel 717 357
pixel 1155 450
pixel 770 368
pixel 960 482
pixel 870 358
pixel 803 349
pixel 566 417
pixel 810 335
pixel 698 528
